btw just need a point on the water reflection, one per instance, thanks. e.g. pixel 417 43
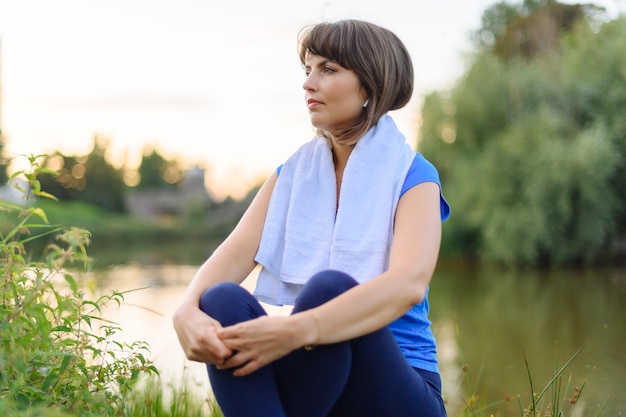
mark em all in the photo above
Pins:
pixel 485 321
pixel 500 317
pixel 151 295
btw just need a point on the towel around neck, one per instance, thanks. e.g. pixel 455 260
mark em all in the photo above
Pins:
pixel 306 231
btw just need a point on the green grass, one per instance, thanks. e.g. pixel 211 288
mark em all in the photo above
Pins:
pixel 156 398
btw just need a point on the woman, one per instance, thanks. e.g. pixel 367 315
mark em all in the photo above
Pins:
pixel 348 231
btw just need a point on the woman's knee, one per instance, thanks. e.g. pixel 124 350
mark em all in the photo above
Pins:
pixel 324 286
pixel 230 303
pixel 219 295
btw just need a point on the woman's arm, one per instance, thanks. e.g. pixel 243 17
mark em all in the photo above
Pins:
pixel 364 308
pixel 232 261
pixel 413 257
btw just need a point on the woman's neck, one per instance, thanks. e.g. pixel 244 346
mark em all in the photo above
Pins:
pixel 341 153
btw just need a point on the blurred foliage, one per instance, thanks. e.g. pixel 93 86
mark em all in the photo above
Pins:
pixel 531 146
pixel 89 178
pixel 93 179
pixel 531 28
pixel 155 171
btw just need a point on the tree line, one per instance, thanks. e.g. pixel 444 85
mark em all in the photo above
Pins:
pixel 93 179
pixel 531 140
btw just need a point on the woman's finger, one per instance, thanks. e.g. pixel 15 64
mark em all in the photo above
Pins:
pixel 231 332
pixel 247 369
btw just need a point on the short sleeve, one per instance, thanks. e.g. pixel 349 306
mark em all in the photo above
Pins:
pixel 422 170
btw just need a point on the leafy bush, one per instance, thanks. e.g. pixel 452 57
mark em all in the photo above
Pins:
pixel 58 354
pixel 532 151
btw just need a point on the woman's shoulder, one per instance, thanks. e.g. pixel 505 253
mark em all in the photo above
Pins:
pixel 420 171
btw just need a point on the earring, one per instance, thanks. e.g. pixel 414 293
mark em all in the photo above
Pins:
pixel 366 103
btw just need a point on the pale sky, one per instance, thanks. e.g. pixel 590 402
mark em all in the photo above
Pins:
pixel 211 82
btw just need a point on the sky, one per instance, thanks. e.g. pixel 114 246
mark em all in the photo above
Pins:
pixel 210 83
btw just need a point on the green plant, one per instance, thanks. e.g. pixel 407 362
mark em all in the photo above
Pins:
pixel 554 400
pixel 157 398
pixel 58 354
pixel 474 404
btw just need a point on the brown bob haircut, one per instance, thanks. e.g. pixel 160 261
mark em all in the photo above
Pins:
pixel 375 54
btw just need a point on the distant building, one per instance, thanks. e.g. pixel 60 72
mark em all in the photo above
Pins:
pixel 153 203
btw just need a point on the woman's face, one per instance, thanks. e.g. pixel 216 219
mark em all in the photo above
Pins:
pixel 334 95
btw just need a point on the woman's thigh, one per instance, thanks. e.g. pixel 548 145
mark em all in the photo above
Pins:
pixel 382 383
pixel 375 378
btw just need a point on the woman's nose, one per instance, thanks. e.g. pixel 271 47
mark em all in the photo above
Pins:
pixel 309 83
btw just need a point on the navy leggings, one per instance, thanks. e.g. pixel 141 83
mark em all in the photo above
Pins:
pixel 366 376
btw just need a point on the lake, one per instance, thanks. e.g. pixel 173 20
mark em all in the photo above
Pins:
pixel 487 323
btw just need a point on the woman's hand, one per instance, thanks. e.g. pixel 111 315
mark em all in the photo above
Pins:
pixel 197 335
pixel 263 340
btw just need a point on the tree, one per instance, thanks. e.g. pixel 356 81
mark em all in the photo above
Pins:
pixel 531 28
pixel 90 178
pixel 157 172
pixel 69 181
pixel 104 184
pixel 532 146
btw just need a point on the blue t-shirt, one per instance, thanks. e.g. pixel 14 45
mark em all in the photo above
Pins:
pixel 422 170
pixel 412 331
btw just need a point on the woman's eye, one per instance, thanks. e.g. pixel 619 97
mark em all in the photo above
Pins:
pixel 323 70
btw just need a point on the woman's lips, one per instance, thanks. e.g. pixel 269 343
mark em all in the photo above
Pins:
pixel 312 103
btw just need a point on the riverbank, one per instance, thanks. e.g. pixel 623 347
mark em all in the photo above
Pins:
pixel 127 239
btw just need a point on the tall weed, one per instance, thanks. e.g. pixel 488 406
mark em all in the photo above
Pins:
pixel 58 354
pixel 557 398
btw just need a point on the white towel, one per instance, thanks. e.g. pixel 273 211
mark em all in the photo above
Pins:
pixel 305 233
